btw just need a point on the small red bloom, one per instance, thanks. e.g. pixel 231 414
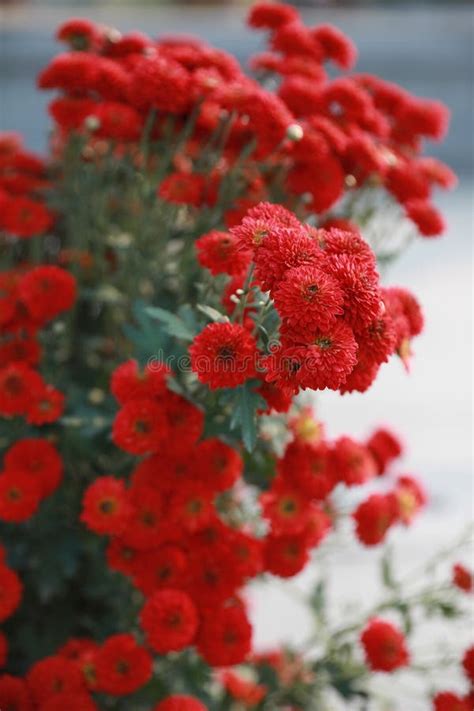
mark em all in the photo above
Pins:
pixel 270 15
pixel 410 497
pixel 38 457
pixel 384 646
pixel 129 382
pixel 24 217
pixel 373 518
pixel 46 405
pixel 19 496
pixel 162 567
pixel 46 291
pixel 308 298
pixel 17 381
pixel 224 637
pixel 218 465
pixel 286 555
pixel 221 253
pixel 170 620
pixel 79 33
pixel 123 666
pixel 351 462
pixel 183 189
pixel 224 355
pixel 384 447
pixel 106 509
pixel 139 427
pixel 53 676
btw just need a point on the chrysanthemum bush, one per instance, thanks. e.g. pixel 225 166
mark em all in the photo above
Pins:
pixel 198 248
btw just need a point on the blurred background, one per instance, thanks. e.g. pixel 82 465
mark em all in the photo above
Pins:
pixel 428 48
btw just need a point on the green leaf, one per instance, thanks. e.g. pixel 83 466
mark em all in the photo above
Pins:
pixel 174 325
pixel 244 415
pixel 387 570
pixel 211 313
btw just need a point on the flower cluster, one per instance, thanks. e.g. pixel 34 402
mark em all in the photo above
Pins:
pixel 356 129
pixel 23 212
pixel 338 325
pixel 331 134
pixel 30 297
pixel 165 528
pixel 213 228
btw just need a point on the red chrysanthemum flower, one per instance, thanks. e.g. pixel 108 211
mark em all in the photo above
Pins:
pixel 123 666
pixel 286 555
pixel 224 355
pixel 384 646
pixel 169 619
pixel 192 506
pixel 106 509
pixel 180 703
pixel 449 701
pixel 214 576
pixel 46 405
pixel 225 636
pixel 185 422
pixel 71 71
pixel 271 15
pixel 53 676
pixel 362 298
pixel 351 462
pixel 284 249
pixel 24 217
pixel 462 578
pixel 410 497
pixel 183 189
pixel 218 465
pixel 285 507
pixel 139 427
pixel 384 447
pixel 79 33
pixel 373 518
pixel 308 298
pixel 130 382
pixel 11 591
pixel 38 457
pixel 20 496
pixel 162 567
pixel 336 45
pixel 220 252
pixel 329 357
pixel 17 381
pixel 149 522
pixel 160 83
pixel 46 291
pixel 307 466
pixel 14 694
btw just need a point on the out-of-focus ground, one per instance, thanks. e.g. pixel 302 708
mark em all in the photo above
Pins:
pixel 429 51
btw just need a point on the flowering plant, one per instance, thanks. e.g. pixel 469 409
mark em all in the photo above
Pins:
pixel 199 247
